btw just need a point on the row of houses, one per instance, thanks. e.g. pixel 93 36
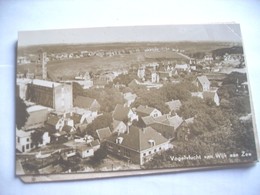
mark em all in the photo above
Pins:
pixel 58 126
pixel 156 73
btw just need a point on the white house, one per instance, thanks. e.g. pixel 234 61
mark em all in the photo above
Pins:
pixel 46 139
pixel 203 83
pixel 119 126
pixel 23 141
pixel 85 151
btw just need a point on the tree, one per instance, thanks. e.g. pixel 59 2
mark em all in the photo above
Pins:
pixel 36 137
pixel 179 91
pixel 100 122
pixel 99 156
pixel 153 98
pixel 125 79
pixel 21 113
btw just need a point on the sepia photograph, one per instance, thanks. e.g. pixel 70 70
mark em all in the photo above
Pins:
pixel 141 98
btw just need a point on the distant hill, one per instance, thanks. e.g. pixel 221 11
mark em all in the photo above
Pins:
pixel 60 48
pixel 230 50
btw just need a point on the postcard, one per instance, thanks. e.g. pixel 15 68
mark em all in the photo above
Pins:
pixel 120 101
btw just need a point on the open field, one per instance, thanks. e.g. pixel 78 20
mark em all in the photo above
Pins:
pixel 184 45
pixel 68 68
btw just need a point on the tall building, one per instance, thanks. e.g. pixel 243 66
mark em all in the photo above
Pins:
pixel 41 68
pixel 43 63
pixel 50 94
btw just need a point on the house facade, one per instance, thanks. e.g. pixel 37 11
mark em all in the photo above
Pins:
pixel 85 151
pixel 119 126
pixel 168 126
pixel 202 83
pixel 138 145
pixel 23 141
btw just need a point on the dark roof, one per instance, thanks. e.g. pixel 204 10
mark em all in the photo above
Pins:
pixel 52 120
pixel 121 112
pixel 145 109
pixel 103 133
pixel 84 102
pixel 76 118
pixel 66 128
pixel 148 120
pixel 138 138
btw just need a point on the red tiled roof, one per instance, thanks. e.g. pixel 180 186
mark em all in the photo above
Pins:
pixel 138 139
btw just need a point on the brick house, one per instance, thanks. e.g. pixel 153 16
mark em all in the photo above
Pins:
pixel 138 145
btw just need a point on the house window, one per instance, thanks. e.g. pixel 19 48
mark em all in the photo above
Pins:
pixel 18 140
pixel 28 139
pixel 150 152
pixel 160 148
pixel 154 150
pixel 27 146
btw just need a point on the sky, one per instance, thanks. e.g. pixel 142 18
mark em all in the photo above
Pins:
pixel 206 32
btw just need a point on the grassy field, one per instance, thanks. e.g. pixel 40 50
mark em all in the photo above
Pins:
pixel 67 69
